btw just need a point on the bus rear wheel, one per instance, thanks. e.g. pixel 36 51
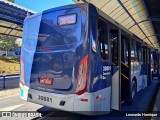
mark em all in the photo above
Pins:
pixel 134 90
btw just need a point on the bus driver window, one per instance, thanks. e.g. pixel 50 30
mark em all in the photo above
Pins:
pixel 102 39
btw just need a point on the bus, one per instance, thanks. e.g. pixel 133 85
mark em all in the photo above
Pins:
pixel 155 64
pixel 76 58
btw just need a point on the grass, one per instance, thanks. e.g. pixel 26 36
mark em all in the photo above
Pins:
pixel 9 65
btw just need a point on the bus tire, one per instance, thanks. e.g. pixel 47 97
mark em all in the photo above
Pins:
pixel 133 91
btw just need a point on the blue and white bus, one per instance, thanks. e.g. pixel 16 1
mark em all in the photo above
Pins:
pixel 76 58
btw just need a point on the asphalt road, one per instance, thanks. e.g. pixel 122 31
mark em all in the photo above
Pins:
pixel 14 103
pixel 144 102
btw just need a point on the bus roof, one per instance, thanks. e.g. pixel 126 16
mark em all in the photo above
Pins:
pixel 57 8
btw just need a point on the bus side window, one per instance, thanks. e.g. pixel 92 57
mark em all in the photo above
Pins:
pixel 114 46
pixel 102 39
pixel 125 48
pixel 152 60
pixel 133 56
pixel 139 52
pixel 144 56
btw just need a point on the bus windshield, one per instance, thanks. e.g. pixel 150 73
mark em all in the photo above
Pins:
pixel 57 30
pixel 52 34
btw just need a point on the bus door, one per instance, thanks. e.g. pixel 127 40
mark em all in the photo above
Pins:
pixel 145 59
pixel 144 67
pixel 155 65
pixel 125 68
pixel 115 87
pixel 152 63
pixel 149 67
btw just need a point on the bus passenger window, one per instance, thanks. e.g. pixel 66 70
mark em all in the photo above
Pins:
pixel 139 52
pixel 125 46
pixel 133 56
pixel 144 56
pixel 114 46
pixel 102 39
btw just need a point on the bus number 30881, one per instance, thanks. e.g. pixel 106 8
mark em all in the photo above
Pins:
pixel 44 98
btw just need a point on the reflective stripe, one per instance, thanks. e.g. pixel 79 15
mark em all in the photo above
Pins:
pixel 124 76
pixel 124 64
pixel 84 99
pixel 113 63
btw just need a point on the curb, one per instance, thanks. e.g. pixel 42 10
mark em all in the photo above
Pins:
pixel 15 74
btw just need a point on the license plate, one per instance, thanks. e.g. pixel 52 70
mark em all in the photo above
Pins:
pixel 44 98
pixel 46 81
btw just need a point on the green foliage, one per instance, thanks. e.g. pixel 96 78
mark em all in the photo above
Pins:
pixel 7 43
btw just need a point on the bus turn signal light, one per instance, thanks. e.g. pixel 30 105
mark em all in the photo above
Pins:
pixel 82 76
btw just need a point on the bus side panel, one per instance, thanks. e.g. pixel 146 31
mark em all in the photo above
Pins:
pixel 100 70
pixel 27 52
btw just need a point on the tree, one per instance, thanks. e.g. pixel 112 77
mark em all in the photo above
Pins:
pixel 7 43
